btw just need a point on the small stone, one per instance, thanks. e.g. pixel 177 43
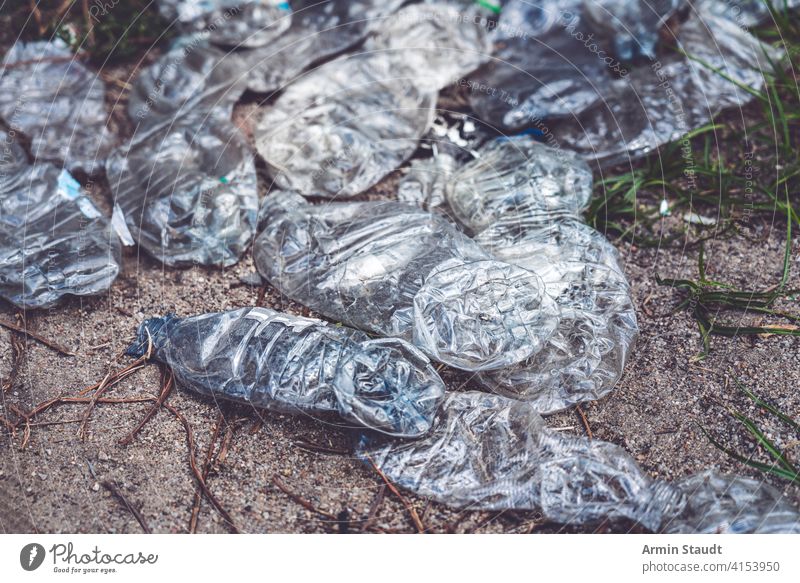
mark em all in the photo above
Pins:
pixel 96 487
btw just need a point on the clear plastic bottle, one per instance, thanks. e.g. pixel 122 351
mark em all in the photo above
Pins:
pixel 341 128
pixel 523 200
pixel 286 363
pixel 53 240
pixel 48 94
pixel 486 452
pixel 398 270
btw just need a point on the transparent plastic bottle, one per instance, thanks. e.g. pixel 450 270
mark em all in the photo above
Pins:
pixel 53 240
pixel 280 362
pixel 487 452
pixel 47 93
pixel 522 201
pixel 341 128
pixel 397 270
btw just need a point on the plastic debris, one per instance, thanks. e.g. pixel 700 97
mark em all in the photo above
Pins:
pixel 341 128
pixel 541 69
pixel 397 270
pixel 424 181
pixel 319 29
pixel 185 186
pixel 745 13
pixel 50 96
pixel 191 79
pixel 486 452
pixel 522 201
pixel 285 363
pixel 188 193
pixel 630 29
pixel 732 504
pixel 53 241
pixel 552 71
pixel 634 120
pixel 230 23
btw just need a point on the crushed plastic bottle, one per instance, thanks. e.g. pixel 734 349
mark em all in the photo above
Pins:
pixel 319 30
pixel 720 503
pixel 230 23
pixel 522 201
pixel 50 96
pixel 540 68
pixel 53 240
pixel 633 120
pixel 286 363
pixel 399 271
pixel 187 191
pixel 630 28
pixel 192 79
pixel 487 452
pixel 185 186
pixel 341 128
pixel 551 72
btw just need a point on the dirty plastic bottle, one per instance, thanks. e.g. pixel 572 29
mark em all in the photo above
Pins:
pixel 57 102
pixel 487 452
pixel 398 270
pixel 53 240
pixel 280 362
pixel 186 191
pixel 341 128
pixel 522 201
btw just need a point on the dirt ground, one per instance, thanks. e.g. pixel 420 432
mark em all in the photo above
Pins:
pixel 54 483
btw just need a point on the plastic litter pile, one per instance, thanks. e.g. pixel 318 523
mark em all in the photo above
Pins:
pixel 481 262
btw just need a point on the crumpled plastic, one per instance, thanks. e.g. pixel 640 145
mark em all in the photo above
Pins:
pixel 424 181
pixel 745 13
pixel 732 504
pixel 522 201
pixel 487 452
pixel 285 363
pixel 319 29
pixel 53 241
pixel 185 186
pixel 341 128
pixel 540 69
pixel 192 79
pixel 630 28
pixel 398 270
pixel 232 23
pixel 187 192
pixel 50 96
pixel 662 101
pixel 552 72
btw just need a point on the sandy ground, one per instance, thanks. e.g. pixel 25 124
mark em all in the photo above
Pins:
pixel 53 484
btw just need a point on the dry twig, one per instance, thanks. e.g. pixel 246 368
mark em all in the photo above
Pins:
pixel 411 510
pixel 111 487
